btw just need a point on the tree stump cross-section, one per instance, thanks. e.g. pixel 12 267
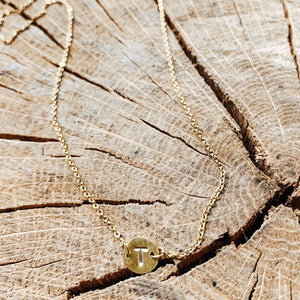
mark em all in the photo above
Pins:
pixel 237 63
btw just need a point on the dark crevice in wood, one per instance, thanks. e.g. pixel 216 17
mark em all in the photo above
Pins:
pixel 254 272
pixel 127 118
pixel 124 202
pixel 35 206
pixel 48 34
pixel 78 75
pixel 195 196
pixel 62 156
pixel 201 256
pixel 26 138
pixel 13 262
pixel 172 136
pixel 85 202
pixel 240 19
pixel 11 89
pixel 49 263
pixel 251 143
pixel 15 91
pixel 108 280
pixel 253 289
pixel 257 220
pixel 44 30
pixel 27 259
pixel 149 76
pixel 291 290
pixel 115 156
pixel 180 139
pixel 294 200
pixel 125 97
pixel 256 263
pixel 256 280
pixel 290 36
pixel 99 284
pixel 81 77
pixel 109 15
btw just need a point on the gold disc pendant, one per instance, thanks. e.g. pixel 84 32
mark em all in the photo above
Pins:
pixel 138 256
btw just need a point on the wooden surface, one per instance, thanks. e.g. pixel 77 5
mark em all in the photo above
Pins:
pixel 237 65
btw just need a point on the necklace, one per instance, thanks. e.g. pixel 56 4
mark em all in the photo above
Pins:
pixel 140 254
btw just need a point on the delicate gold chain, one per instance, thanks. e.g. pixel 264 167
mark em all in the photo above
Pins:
pixel 54 100
pixel 197 130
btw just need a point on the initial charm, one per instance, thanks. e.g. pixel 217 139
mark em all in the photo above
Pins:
pixel 138 256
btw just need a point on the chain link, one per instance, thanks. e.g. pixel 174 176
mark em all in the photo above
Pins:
pixel 54 101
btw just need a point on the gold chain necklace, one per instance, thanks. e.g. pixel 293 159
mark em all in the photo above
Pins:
pixel 140 254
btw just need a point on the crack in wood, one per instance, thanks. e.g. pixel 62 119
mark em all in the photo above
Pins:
pixel 256 221
pixel 150 77
pixel 173 136
pixel 127 118
pixel 109 15
pixel 38 206
pixel 13 262
pixel 14 90
pixel 81 77
pixel 62 156
pixel 49 263
pixel 136 201
pixel 240 19
pixel 201 256
pixel 126 97
pixel 26 138
pixel 291 290
pixel 99 284
pixel 85 202
pixel 119 157
pixel 253 289
pixel 256 263
pixel 11 89
pixel 256 276
pixel 195 196
pixel 107 281
pixel 28 259
pixel 290 37
pixel 294 200
pixel 43 29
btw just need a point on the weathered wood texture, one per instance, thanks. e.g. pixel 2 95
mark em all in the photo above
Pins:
pixel 237 66
pixel 235 273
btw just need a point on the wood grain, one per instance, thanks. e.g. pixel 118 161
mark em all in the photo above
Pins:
pixel 260 86
pixel 136 150
pixel 269 261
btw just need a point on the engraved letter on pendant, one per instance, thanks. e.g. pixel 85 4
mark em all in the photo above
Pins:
pixel 138 255
pixel 141 256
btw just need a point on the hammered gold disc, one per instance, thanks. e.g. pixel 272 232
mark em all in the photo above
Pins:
pixel 138 256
